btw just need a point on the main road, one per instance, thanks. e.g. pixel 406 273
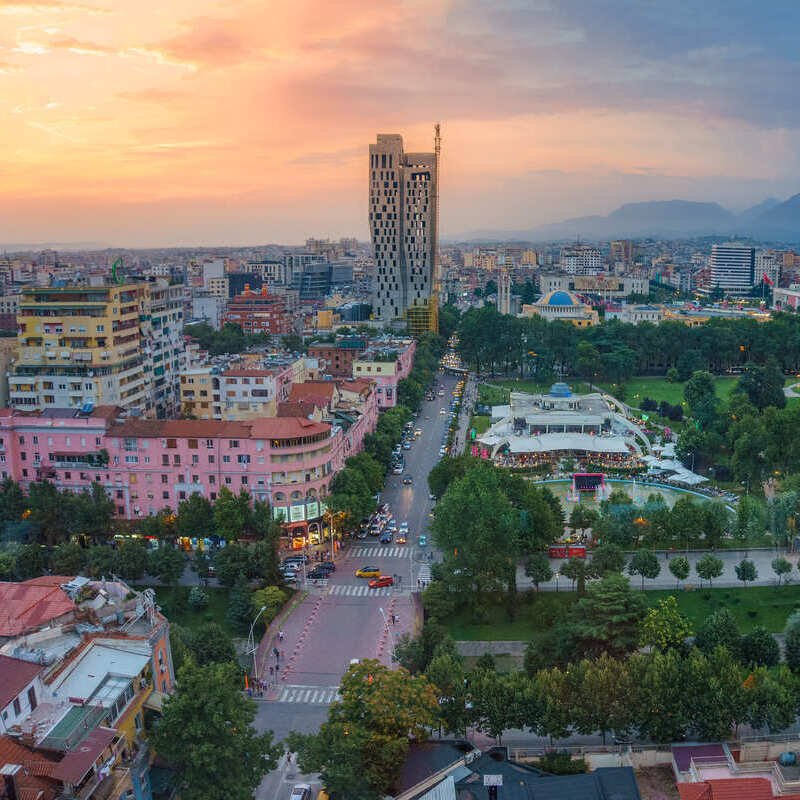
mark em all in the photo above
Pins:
pixel 344 619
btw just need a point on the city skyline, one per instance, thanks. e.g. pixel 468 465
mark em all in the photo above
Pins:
pixel 240 123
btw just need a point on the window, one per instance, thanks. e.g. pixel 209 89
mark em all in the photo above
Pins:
pixel 244 480
pixel 211 459
pixel 212 479
pixel 210 444
pixel 226 459
pixel 22 440
pixel 165 495
pixel 233 444
pixel 67 476
pixel 193 444
pixel 227 480
pixel 164 479
pixel 17 707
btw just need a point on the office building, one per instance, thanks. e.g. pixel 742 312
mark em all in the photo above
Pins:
pixel 732 268
pixel 108 344
pixel 581 260
pixel 403 219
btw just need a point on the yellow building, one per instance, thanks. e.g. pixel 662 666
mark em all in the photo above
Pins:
pixel 564 306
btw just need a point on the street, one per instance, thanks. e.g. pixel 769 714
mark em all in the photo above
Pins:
pixel 341 619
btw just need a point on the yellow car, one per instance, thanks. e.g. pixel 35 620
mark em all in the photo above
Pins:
pixel 368 572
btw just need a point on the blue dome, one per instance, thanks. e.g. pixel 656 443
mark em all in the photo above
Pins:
pixel 560 299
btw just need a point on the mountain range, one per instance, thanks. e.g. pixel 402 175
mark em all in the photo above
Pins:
pixel 771 220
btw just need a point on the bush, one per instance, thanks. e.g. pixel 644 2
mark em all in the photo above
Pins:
pixel 198 598
pixel 560 762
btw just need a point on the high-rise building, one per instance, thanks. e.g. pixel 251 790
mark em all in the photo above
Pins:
pixel 108 344
pixel 403 221
pixel 732 268
pixel 504 291
pixel 581 260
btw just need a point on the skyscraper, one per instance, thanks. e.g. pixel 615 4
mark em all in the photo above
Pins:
pixel 403 220
pixel 732 268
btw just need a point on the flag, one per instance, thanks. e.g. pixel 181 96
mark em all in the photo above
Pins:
pixel 767 279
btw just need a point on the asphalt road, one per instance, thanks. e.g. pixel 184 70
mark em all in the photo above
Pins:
pixel 344 619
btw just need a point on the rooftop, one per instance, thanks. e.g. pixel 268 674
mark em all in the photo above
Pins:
pixel 30 605
pixel 15 675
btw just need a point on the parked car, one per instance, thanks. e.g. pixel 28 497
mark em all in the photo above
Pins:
pixel 301 791
pixel 381 581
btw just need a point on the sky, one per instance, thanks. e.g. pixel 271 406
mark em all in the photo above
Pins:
pixel 229 122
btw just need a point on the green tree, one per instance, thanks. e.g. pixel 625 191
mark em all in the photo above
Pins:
pixel 607 619
pixel 12 501
pixel 582 517
pixel 679 567
pixel 100 560
pixel 446 673
pixel 8 565
pixel 195 517
pixel 538 569
pixel 577 570
pixel 700 394
pixel 379 712
pixel 130 560
pixel 661 706
pixel 718 630
pixel 272 599
pixel 746 571
pixel 759 648
pixel 792 641
pixel 210 644
pixel 447 470
pixel 167 564
pixel 93 512
pixel 781 567
pixel 52 511
pixel 414 653
pixel 664 626
pixel 160 525
pixel 763 385
pixel 29 562
pixel 608 558
pixel 371 470
pixel 350 495
pixel 646 564
pixel 709 567
pixel 198 598
pixel 206 733
pixel 232 561
pixel 771 698
pixel 67 558
pixel 240 605
pixel 232 514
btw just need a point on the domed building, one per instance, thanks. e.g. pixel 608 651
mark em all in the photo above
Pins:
pixel 563 305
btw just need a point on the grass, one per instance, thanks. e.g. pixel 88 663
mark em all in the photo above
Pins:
pixel 758 605
pixel 180 613
pixel 658 389
pixel 497 393
pixel 480 423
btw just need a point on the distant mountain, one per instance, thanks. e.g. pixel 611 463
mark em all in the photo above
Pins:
pixel 668 219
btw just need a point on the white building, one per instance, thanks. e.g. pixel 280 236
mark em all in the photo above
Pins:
pixel 581 260
pixel 403 197
pixel 635 314
pixel 732 268
pixel 768 266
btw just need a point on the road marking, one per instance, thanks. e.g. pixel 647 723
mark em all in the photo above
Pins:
pixel 376 551
pixel 312 695
pixel 358 590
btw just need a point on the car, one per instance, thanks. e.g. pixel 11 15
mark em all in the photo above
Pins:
pixel 291 566
pixel 386 537
pixel 442 411
pixel 406 445
pixel 289 576
pixel 432 496
pixel 423 540
pixel 441 392
pixel 329 565
pixel 317 574
pixel 401 538
pixel 418 432
pixel 301 558
pixel 301 791
pixel 403 526
pixel 408 480
pixel 368 572
pixel 398 470
pixel 361 535
pixel 381 581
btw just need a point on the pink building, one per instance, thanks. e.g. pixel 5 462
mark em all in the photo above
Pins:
pixel 148 465
pixel 386 364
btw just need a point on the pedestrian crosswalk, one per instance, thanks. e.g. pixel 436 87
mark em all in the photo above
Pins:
pixel 376 551
pixel 316 695
pixel 359 590
pixel 424 575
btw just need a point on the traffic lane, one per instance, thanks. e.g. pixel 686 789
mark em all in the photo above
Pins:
pixel 388 565
pixel 278 784
pixel 346 628
pixel 281 719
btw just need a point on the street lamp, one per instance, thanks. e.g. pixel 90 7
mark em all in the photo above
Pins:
pixel 251 645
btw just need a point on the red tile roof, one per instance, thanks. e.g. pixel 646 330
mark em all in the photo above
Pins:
pixel 15 675
pixel 287 427
pixel 248 373
pixel 312 390
pixel 730 789
pixel 28 606
pixel 296 409
pixel 76 763
pixel 29 784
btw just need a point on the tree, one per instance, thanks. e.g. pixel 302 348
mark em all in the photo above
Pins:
pixel 759 648
pixel 8 565
pixel 29 562
pixel 446 673
pixel 167 564
pixel 746 571
pixel 232 514
pixel 538 569
pixel 381 709
pixel 12 501
pixel 67 558
pixel 195 517
pixel 771 698
pixel 240 605
pixel 206 733
pixel 272 599
pixel 608 558
pixel 781 567
pixel 232 561
pixel 351 496
pixel 93 511
pixel 198 598
pixel 371 470
pixel 664 626
pixel 130 560
pixel 415 653
pixel 447 470
pixel 763 385
pixel 582 517
pixel 210 644
pixel 577 570
pixel 646 564
pixel 679 567
pixel 792 642
pixel 607 619
pixel 718 630
pixel 51 510
pixel 709 567
pixel 100 561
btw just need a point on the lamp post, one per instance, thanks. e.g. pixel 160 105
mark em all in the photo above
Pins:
pixel 251 645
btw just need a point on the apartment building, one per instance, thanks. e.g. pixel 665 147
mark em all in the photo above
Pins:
pixel 107 344
pixel 339 355
pixel 259 312
pixel 386 363
pixel 76 678
pixel 581 260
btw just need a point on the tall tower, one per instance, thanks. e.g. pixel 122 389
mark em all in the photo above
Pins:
pixel 504 291
pixel 403 206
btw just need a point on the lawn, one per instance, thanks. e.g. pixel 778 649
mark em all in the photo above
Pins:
pixel 498 390
pixel 480 423
pixel 179 612
pixel 759 605
pixel 658 389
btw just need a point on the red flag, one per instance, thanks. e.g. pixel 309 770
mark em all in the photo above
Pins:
pixel 767 279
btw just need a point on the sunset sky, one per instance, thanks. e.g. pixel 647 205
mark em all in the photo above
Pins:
pixel 180 122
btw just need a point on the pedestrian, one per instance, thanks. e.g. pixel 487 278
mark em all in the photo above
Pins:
pixel 419 583
pixel 271 671
pixel 394 619
pixel 280 635
pixel 288 758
